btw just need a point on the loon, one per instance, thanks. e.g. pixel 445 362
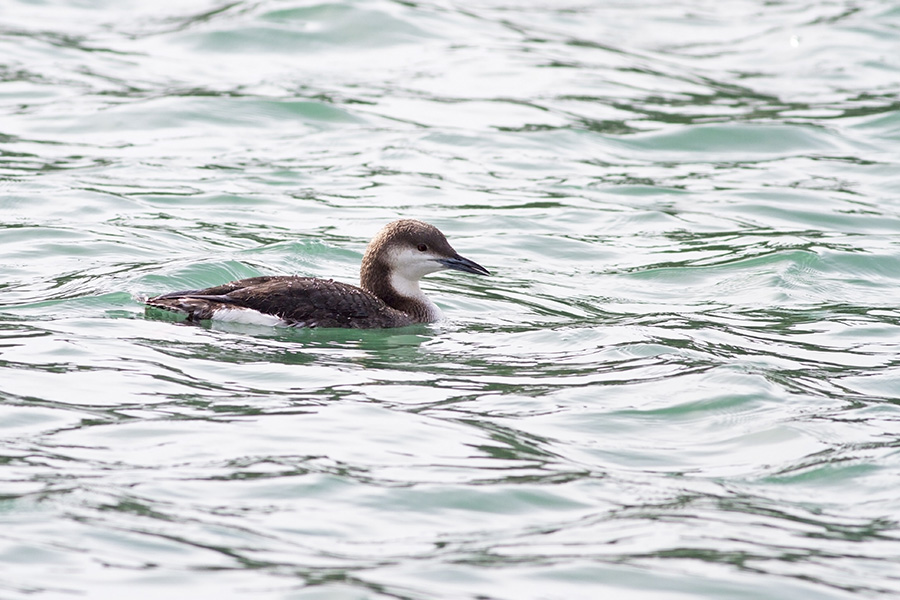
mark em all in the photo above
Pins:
pixel 388 296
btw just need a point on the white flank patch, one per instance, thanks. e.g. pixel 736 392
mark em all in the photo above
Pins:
pixel 247 316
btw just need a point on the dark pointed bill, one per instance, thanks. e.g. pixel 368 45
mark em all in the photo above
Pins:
pixel 463 264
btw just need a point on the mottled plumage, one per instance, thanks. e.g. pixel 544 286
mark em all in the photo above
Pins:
pixel 389 295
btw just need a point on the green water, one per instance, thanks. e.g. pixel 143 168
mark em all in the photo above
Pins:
pixel 682 379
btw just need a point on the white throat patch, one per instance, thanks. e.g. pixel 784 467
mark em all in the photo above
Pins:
pixel 410 289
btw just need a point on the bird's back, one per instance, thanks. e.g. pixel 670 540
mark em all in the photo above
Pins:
pixel 297 301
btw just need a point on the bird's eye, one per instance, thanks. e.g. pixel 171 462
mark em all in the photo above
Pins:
pixel 422 247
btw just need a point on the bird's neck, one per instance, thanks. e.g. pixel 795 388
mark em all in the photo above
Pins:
pixel 397 292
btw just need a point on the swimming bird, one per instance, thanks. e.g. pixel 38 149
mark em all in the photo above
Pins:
pixel 388 295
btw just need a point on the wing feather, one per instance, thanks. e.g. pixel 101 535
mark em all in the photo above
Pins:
pixel 299 301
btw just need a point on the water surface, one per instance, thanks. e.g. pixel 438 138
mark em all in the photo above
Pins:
pixel 681 380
